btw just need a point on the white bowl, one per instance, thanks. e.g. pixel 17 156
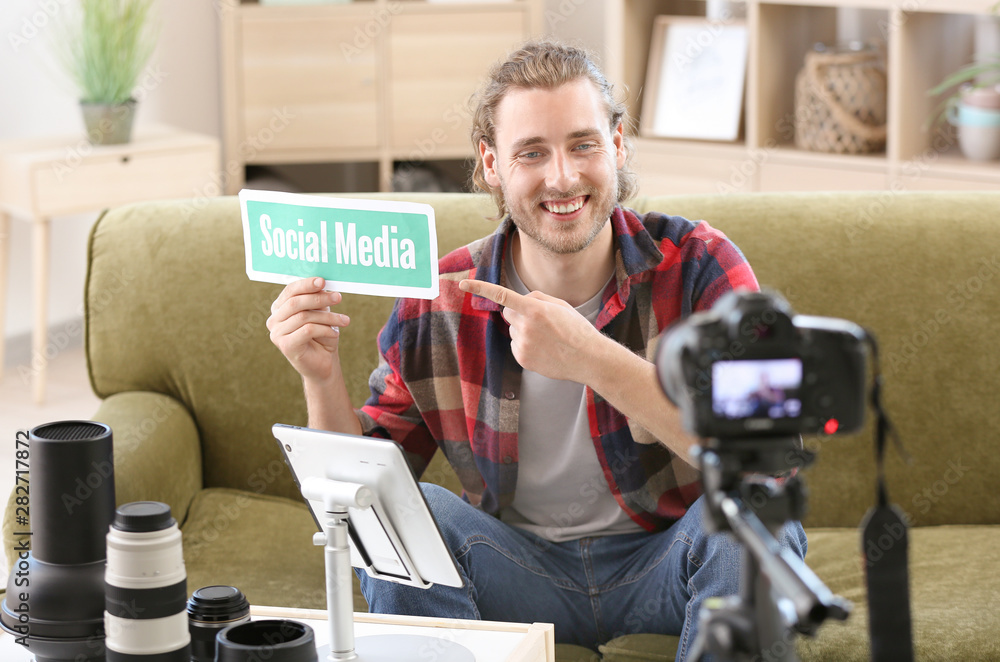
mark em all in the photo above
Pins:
pixel 979 143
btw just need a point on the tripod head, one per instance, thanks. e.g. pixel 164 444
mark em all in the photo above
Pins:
pixel 745 469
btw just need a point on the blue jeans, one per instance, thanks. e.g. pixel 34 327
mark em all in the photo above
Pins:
pixel 592 589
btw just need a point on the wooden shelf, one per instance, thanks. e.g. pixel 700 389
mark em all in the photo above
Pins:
pixel 794 155
pixel 375 80
pixel 917 6
pixel 921 46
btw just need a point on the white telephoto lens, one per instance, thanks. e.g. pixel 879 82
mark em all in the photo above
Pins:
pixel 145 617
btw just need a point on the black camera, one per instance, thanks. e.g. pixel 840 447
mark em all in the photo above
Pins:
pixel 750 368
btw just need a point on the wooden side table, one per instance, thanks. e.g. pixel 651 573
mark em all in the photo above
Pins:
pixel 43 178
pixel 489 641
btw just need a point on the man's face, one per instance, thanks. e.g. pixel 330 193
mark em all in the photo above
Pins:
pixel 556 161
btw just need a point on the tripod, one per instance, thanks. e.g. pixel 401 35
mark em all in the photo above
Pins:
pixel 778 592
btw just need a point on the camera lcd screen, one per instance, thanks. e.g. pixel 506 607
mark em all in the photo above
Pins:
pixel 760 388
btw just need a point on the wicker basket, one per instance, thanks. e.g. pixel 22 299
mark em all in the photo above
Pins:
pixel 840 101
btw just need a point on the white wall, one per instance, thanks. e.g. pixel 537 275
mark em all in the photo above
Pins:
pixel 36 100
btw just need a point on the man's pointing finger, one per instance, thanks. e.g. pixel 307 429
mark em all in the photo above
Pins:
pixel 497 294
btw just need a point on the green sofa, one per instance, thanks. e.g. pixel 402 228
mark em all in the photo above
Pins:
pixel 178 351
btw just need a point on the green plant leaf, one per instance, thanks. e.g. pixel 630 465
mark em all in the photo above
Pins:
pixel 105 46
pixel 969 74
pixel 984 73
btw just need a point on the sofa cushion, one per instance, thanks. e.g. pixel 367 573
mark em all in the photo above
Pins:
pixel 573 653
pixel 255 543
pixel 955 606
pixel 641 648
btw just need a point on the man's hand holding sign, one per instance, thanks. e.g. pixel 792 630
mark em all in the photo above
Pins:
pixel 303 327
pixel 307 332
pixel 550 337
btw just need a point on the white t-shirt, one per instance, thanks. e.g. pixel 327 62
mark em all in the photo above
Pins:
pixel 561 491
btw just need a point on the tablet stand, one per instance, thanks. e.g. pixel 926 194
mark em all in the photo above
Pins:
pixel 337 497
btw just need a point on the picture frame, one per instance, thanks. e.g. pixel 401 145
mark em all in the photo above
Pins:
pixel 695 79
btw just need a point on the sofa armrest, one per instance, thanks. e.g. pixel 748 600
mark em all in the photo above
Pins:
pixel 157 449
pixel 157 456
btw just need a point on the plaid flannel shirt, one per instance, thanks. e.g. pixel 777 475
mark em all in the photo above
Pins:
pixel 447 378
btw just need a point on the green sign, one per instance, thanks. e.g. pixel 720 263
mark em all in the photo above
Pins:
pixel 379 247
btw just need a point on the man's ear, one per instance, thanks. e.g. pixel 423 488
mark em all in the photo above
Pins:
pixel 618 138
pixel 489 158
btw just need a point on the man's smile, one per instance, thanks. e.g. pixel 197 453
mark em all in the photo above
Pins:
pixel 565 207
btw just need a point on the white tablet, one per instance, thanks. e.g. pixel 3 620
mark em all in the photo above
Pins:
pixel 397 538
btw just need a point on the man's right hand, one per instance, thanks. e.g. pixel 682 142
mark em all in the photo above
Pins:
pixel 303 327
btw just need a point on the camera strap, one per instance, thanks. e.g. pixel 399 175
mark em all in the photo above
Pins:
pixel 885 548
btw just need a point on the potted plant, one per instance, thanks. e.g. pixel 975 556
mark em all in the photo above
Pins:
pixel 972 103
pixel 104 48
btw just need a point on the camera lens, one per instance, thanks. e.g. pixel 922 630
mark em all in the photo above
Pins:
pixel 211 609
pixel 145 586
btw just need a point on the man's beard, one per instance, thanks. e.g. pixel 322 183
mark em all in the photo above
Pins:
pixel 565 240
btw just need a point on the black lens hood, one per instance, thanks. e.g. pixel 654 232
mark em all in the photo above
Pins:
pixel 277 640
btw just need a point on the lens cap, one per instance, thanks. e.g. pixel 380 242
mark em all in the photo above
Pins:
pixel 281 640
pixel 214 604
pixel 143 517
pixel 210 609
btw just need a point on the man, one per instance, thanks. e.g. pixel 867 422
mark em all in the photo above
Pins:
pixel 530 372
